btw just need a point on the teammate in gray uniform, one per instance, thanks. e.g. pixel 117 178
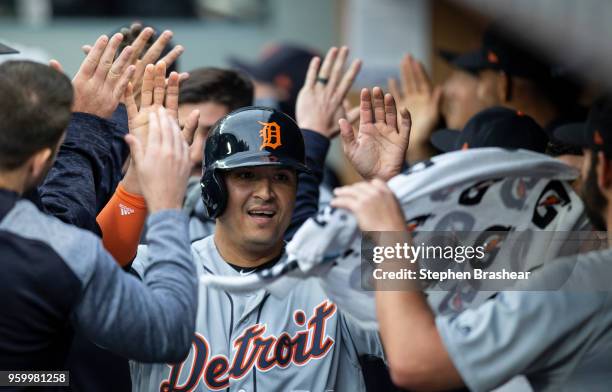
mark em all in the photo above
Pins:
pixel 251 342
pixel 560 340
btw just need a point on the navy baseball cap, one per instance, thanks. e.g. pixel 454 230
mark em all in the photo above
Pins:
pixel 494 127
pixel 7 49
pixel 595 133
pixel 283 59
pixel 499 52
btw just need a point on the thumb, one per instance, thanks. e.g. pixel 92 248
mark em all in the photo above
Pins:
pixel 191 125
pixel 136 149
pixel 405 123
pixel 347 133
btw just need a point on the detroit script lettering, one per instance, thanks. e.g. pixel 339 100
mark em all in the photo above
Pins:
pixel 254 349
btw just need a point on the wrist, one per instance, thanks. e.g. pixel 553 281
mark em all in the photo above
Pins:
pixel 130 181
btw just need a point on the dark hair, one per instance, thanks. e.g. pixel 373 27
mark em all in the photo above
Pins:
pixel 35 102
pixel 223 86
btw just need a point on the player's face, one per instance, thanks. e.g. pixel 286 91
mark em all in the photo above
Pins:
pixel 259 206
pixel 210 113
pixel 459 101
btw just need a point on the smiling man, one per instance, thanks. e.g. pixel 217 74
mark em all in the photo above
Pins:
pixel 257 341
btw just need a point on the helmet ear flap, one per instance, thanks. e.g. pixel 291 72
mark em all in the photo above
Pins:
pixel 214 193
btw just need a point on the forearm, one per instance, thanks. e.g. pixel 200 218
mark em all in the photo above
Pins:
pixel 121 222
pixel 307 198
pixel 416 355
pixel 76 187
pixel 152 320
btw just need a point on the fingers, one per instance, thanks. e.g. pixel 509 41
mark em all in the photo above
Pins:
pixel 148 81
pixel 406 75
pixel 151 56
pixel 174 54
pixel 378 100
pixel 191 125
pixel 390 111
pixel 120 65
pixel 422 82
pixel 167 135
pixel 365 108
pixel 172 95
pixel 347 81
pixel 139 43
pixel 394 88
pixel 159 88
pixel 56 65
pixel 89 65
pixel 180 147
pixel 337 67
pixel 311 74
pixel 121 86
pixel 328 62
pixel 106 60
pixel 130 102
pixel 183 76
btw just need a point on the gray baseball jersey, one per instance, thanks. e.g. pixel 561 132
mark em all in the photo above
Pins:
pixel 259 342
pixel 560 340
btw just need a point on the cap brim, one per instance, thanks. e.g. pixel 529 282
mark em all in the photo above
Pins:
pixel 470 61
pixel 448 55
pixel 445 140
pixel 7 50
pixel 572 134
pixel 251 69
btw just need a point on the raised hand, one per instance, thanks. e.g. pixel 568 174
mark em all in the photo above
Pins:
pixel 150 56
pixel 374 205
pixel 101 81
pixel 378 147
pixel 156 93
pixel 418 95
pixel 320 101
pixel 162 164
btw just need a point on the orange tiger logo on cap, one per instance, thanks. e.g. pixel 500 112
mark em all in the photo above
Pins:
pixel 492 57
pixel 597 139
pixel 270 135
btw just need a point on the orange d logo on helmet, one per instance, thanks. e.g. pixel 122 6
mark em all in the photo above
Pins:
pixel 270 135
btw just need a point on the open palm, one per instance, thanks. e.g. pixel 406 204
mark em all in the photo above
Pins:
pixel 378 147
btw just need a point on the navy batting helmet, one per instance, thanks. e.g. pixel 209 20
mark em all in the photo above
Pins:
pixel 251 136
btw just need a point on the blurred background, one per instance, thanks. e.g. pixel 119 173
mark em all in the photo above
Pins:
pixel 573 32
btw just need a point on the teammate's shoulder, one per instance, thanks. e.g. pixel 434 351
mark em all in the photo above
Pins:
pixel 27 221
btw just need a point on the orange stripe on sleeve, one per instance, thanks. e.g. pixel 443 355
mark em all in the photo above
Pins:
pixel 122 221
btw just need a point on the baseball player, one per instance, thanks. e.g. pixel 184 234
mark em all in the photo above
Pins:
pixel 559 339
pixel 257 341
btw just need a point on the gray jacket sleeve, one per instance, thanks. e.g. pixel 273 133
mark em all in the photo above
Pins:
pixel 152 320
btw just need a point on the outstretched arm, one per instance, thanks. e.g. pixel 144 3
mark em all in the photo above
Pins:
pixel 76 187
pixel 413 347
pixel 319 105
